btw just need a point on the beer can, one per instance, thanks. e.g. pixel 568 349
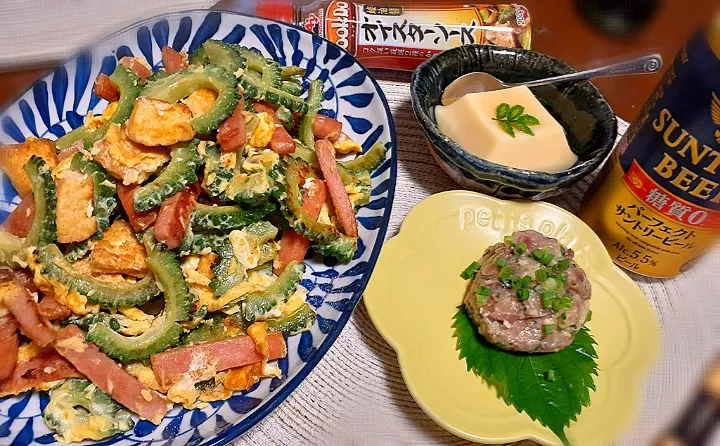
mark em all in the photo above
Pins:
pixel 656 204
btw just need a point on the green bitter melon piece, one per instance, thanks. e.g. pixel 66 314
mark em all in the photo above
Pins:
pixel 129 86
pixel 165 330
pixel 228 217
pixel 257 304
pixel 55 267
pixel 179 173
pixel 220 54
pixel 14 250
pixel 78 410
pixel 296 322
pixel 326 239
pixel 179 85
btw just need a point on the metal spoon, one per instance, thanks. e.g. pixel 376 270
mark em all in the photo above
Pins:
pixel 480 82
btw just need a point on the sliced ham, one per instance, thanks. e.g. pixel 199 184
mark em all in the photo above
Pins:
pixel 8 346
pixel 53 310
pixel 174 216
pixel 171 366
pixel 21 276
pixel 20 221
pixel 172 60
pixel 27 313
pixel 104 88
pixel 281 141
pixel 326 128
pixel 44 368
pixel 138 220
pixel 136 66
pixel 294 246
pixel 231 133
pixel 110 377
pixel 343 207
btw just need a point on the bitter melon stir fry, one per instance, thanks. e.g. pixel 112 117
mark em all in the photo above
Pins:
pixel 167 235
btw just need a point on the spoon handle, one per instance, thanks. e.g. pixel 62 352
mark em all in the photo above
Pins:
pixel 641 65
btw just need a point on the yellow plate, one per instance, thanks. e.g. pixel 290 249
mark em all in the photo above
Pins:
pixel 416 287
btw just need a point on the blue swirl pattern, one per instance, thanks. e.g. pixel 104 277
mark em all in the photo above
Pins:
pixel 58 103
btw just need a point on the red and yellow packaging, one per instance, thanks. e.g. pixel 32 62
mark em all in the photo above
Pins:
pixel 659 208
pixel 402 37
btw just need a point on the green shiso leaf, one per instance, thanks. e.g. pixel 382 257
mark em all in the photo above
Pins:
pixel 520 379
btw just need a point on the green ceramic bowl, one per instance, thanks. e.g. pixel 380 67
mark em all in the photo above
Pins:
pixel 588 120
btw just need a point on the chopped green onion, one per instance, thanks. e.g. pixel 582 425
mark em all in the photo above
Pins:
pixel 537 254
pixel 506 272
pixel 563 264
pixel 482 294
pixel 547 299
pixel 563 316
pixel 589 316
pixel 523 294
pixel 526 281
pixel 562 303
pixel 551 284
pixel 500 262
pixel 509 240
pixel 470 271
pixel 546 259
pixel 516 283
pixel 550 376
pixel 547 329
pixel 520 249
pixel 541 275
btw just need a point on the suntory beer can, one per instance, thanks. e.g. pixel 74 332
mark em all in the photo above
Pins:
pixel 656 204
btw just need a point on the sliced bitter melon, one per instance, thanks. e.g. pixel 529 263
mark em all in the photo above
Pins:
pixel 202 243
pixel 14 250
pixel 165 331
pixel 326 239
pixel 286 117
pixel 179 173
pixel 216 177
pixel 288 71
pixel 104 201
pixel 129 86
pixel 55 267
pixel 296 322
pixel 256 88
pixel 314 104
pixel 257 304
pixel 228 217
pixel 220 54
pixel 368 161
pixel 179 85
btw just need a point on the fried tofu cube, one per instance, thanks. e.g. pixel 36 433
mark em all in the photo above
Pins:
pixel 126 160
pixel 200 101
pixel 14 157
pixel 157 123
pixel 119 252
pixel 74 212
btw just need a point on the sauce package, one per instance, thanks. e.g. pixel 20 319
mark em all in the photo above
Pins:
pixel 402 37
pixel 659 208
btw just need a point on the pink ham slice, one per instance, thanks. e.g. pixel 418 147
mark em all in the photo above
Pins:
pixel 110 377
pixel 8 346
pixel 171 366
pixel 27 313
pixel 47 367
pixel 326 128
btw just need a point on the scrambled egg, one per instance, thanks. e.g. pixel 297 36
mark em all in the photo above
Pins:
pixel 346 145
pixel 255 282
pixel 228 161
pixel 133 321
pixel 126 160
pixel 93 121
pixel 263 133
pixel 74 209
pixel 200 101
pixel 197 272
pixel 295 301
pixel 157 123
pixel 27 352
pixel 144 374
pixel 260 161
pixel 354 193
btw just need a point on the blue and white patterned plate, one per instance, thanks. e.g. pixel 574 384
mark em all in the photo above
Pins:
pixel 58 103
